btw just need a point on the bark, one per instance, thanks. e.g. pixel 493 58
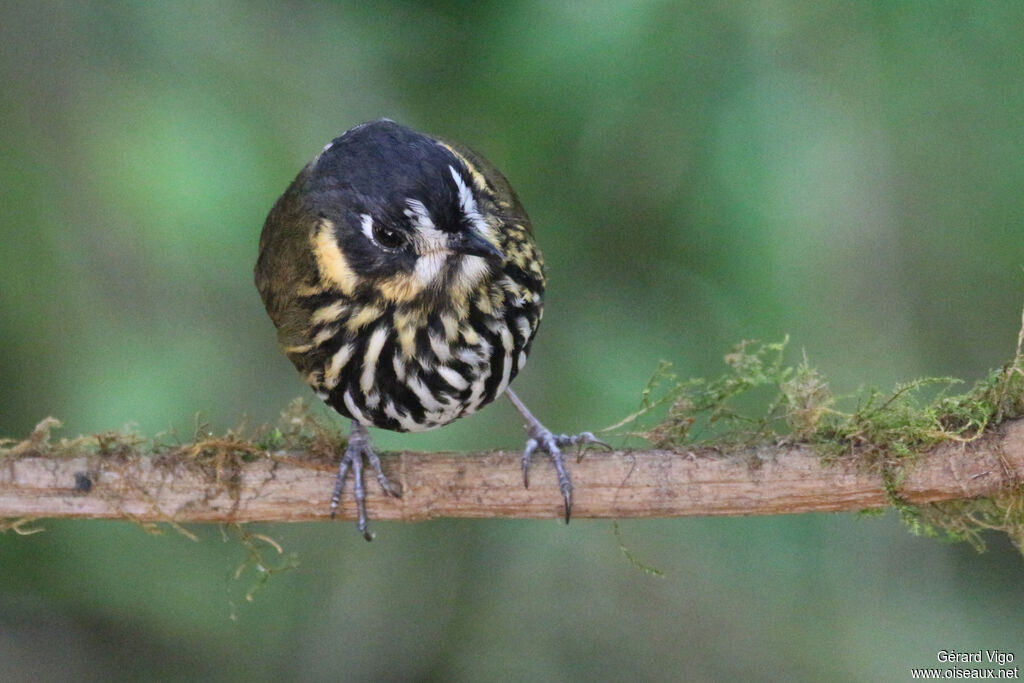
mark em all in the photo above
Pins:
pixel 289 486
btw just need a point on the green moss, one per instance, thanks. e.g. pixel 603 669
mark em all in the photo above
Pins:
pixel 761 399
pixel 19 526
pixel 219 456
pixel 631 557
pixel 259 561
pixel 692 410
pixel 297 430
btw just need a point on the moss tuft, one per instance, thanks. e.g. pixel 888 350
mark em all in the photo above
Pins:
pixel 760 399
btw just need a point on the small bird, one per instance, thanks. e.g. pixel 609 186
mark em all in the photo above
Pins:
pixel 402 275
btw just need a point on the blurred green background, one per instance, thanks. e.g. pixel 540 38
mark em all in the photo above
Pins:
pixel 846 173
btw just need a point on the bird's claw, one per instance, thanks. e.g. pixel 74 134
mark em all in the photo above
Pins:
pixel 543 439
pixel 357 449
pixel 581 441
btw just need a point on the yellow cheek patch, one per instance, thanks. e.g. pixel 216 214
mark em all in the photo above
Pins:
pixel 401 288
pixel 333 266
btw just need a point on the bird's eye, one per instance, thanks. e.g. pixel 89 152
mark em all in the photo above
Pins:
pixel 387 238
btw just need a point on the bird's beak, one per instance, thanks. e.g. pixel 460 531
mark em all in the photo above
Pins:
pixel 470 243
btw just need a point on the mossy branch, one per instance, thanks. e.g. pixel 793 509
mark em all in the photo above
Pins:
pixel 231 480
pixel 953 463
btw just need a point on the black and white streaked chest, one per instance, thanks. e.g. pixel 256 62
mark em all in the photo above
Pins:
pixel 400 368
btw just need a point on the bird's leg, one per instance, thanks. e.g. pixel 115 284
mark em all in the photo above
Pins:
pixel 358 448
pixel 539 437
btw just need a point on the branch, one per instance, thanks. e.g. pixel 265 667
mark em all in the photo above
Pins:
pixel 38 481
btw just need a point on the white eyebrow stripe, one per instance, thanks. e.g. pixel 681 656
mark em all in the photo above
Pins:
pixel 419 213
pixel 467 202
pixel 367 225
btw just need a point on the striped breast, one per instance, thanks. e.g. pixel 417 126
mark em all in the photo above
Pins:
pixel 398 367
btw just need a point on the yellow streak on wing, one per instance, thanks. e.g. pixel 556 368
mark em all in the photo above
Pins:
pixel 309 290
pixel 301 348
pixel 365 316
pixel 334 268
pixel 325 334
pixel 332 373
pixel 330 313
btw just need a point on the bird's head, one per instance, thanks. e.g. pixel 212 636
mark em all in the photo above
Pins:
pixel 399 215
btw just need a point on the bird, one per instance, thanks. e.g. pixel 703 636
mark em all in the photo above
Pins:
pixel 401 272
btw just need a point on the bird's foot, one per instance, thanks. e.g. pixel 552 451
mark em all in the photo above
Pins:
pixel 540 438
pixel 357 449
